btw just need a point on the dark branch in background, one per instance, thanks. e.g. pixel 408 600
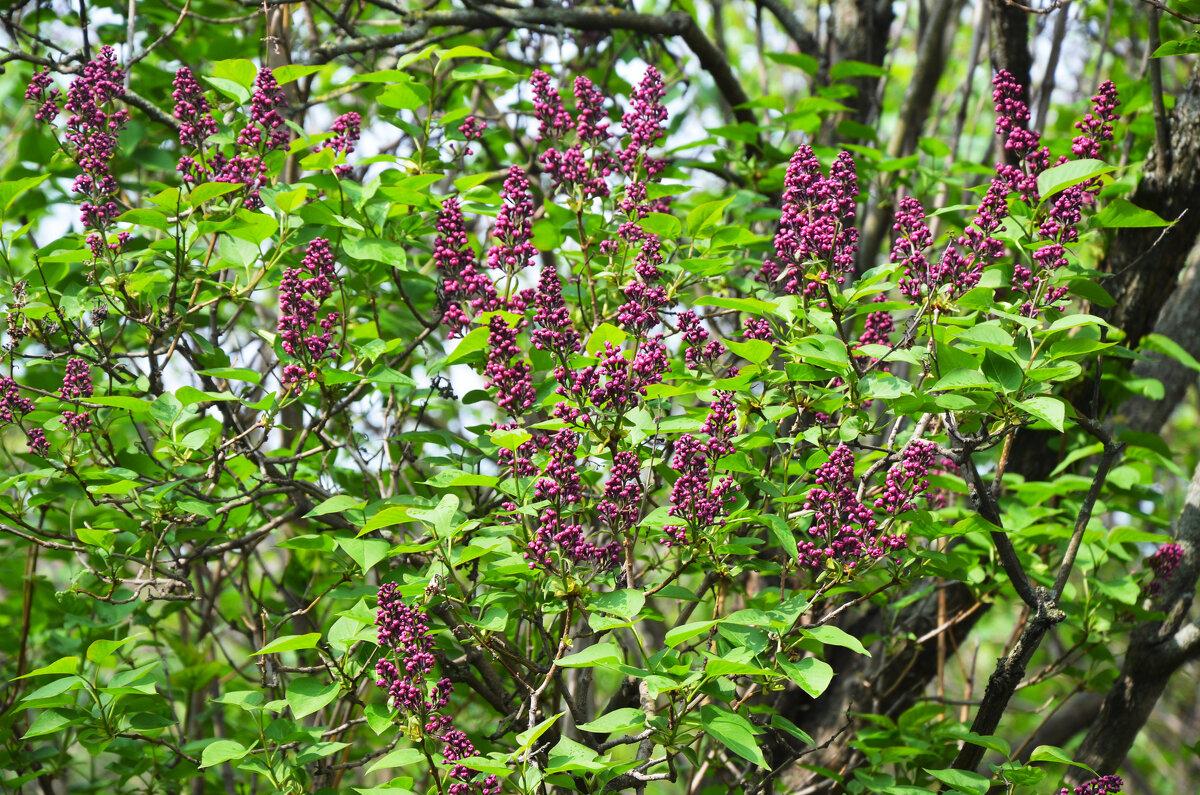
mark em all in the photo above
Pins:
pixel 676 24
pixel 1157 649
pixel 1180 322
pixel 805 41
pixel 1162 132
pixel 1144 263
pixel 1010 669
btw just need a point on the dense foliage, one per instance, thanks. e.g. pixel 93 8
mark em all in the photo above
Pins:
pixel 527 454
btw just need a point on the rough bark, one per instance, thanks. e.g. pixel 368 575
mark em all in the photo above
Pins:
pixel 1144 264
pixel 1179 321
pixel 859 32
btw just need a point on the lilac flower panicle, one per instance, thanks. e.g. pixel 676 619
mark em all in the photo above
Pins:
pixel 347 129
pixel 192 110
pixel 12 406
pixel 1104 785
pixel 816 242
pixel 1163 563
pixel 301 293
pixel 701 351
pixel 554 329
pixel 1096 128
pixel 511 379
pixel 91 132
pixel 77 380
pixel 591 123
pixel 643 123
pixel 38 444
pixel 472 129
pixel 39 91
pixel 698 499
pixel 553 120
pixel 266 131
pixel 906 480
pixel 464 288
pixel 843 530
pixel 513 231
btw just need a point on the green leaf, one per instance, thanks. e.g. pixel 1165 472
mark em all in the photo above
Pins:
pixel 812 675
pixel 704 219
pixel 833 636
pixel 49 721
pixel 366 552
pixel 962 780
pixel 1188 46
pixel 294 71
pixel 306 696
pixel 1123 214
pixel 665 226
pixel 753 351
pixel 782 534
pixel 131 404
pixel 63 665
pixel 338 503
pixel 680 634
pixel 222 751
pixel 733 731
pixel 388 517
pixel 494 767
pixel 100 650
pixel 605 332
pixel 844 70
pixel 1051 753
pixel 527 738
pixel 1169 347
pixel 597 654
pixel 1048 409
pixel 479 71
pixel 290 643
pixel 401 757
pixel 618 720
pixel 475 341
pixel 570 755
pixel 1057 178
pixel 210 190
pixel 626 603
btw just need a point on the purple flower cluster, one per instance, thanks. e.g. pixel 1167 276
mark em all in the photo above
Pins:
pixel 645 297
pixel 463 287
pixel 505 371
pixel 347 129
pixel 408 647
pixel 623 493
pixel 701 351
pixel 39 91
pixel 582 167
pixel 1096 127
pixel 877 326
pixel 695 498
pixel 906 480
pixel 554 330
pixel 513 230
pixel 91 131
pixel 12 406
pixel 843 529
pixel 196 123
pixel 1163 563
pixel 472 129
pixel 301 292
pixel 617 383
pixel 561 486
pixel 816 242
pixel 1105 785
pixel 265 133
pixel 77 380
pixel 758 328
